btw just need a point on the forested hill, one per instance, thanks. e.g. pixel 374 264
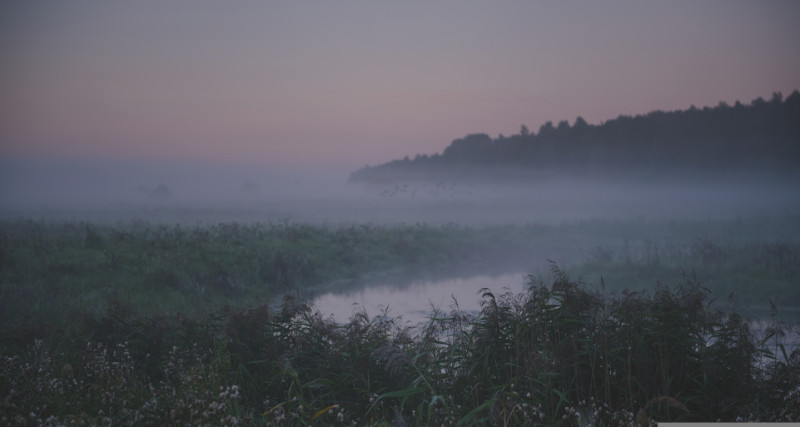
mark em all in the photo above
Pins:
pixel 761 136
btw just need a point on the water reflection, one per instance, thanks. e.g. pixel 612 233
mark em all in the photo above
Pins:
pixel 415 301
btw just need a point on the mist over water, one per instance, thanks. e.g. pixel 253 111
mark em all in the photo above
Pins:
pixel 110 191
pixel 418 300
pixel 195 194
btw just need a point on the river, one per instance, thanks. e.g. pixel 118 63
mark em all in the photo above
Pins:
pixel 415 301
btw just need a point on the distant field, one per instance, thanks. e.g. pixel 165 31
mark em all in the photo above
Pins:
pixel 191 269
pixel 52 268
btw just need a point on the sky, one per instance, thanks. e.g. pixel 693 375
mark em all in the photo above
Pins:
pixel 350 83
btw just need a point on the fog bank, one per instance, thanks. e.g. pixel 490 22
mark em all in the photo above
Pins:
pixel 198 193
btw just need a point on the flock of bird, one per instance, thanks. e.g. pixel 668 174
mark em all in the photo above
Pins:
pixel 441 189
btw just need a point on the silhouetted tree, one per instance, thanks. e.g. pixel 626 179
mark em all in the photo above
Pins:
pixel 469 149
pixel 763 134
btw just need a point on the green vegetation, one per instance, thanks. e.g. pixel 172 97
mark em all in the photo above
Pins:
pixel 47 269
pixel 558 355
pixel 142 324
pixel 758 137
pixel 755 271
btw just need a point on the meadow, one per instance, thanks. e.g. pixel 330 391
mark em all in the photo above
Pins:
pixel 623 322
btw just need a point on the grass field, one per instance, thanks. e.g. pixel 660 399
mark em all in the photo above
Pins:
pixel 138 323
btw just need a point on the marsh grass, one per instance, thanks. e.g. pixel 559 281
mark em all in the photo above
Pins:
pixel 724 266
pixel 50 268
pixel 562 353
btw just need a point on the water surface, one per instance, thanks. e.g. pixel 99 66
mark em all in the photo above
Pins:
pixel 415 301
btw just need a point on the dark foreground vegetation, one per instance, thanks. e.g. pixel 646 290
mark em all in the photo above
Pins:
pixel 149 324
pixel 558 355
pixel 759 137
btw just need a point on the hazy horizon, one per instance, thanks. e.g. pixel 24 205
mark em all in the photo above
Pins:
pixel 193 193
pixel 254 111
pixel 352 83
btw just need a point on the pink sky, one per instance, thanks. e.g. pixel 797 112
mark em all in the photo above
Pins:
pixel 356 82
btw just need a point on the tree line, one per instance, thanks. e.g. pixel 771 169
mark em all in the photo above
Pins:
pixel 761 136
